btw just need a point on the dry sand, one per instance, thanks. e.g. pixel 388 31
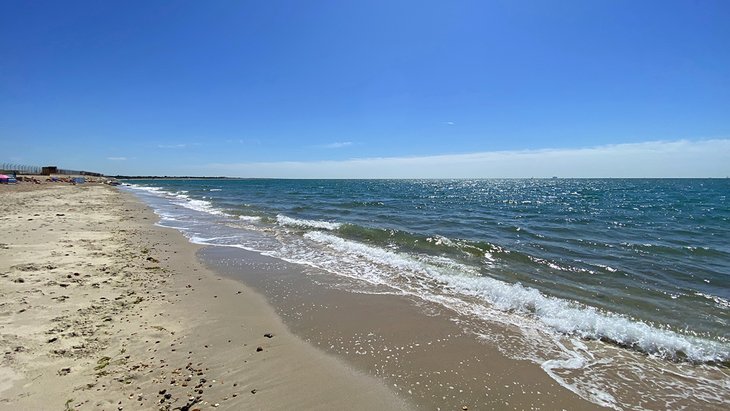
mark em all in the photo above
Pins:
pixel 100 309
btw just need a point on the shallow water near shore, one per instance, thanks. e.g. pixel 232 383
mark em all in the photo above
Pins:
pixel 421 350
pixel 604 283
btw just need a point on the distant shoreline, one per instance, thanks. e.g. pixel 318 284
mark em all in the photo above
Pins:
pixel 118 177
pixel 173 178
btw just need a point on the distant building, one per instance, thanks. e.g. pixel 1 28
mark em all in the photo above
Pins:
pixel 48 170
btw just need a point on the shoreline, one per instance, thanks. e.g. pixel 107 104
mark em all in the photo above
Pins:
pixel 421 350
pixel 427 376
pixel 363 276
pixel 114 310
pixel 104 310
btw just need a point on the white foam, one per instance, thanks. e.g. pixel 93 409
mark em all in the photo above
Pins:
pixel 154 190
pixel 182 199
pixel 250 218
pixel 719 301
pixel 440 240
pixel 560 315
pixel 201 205
pixel 576 362
pixel 210 240
pixel 572 318
pixel 607 268
pixel 301 223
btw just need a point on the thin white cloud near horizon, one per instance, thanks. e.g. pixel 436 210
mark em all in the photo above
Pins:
pixel 117 158
pixel 681 158
pixel 180 145
pixel 338 144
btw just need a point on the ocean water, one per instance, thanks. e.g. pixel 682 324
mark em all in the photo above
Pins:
pixel 597 273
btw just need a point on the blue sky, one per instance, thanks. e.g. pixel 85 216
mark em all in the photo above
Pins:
pixel 368 89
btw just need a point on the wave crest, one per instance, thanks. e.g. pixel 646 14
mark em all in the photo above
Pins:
pixel 564 316
pixel 302 223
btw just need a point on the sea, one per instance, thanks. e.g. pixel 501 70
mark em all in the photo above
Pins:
pixel 610 281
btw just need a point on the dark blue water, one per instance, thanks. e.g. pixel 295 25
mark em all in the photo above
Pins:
pixel 642 263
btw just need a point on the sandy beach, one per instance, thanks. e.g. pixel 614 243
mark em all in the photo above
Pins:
pixel 103 310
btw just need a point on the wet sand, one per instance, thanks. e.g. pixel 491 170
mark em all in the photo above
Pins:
pixel 102 310
pixel 418 349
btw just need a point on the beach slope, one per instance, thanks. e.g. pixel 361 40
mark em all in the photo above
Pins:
pixel 101 309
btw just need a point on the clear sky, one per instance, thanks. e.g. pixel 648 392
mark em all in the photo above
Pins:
pixel 368 89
